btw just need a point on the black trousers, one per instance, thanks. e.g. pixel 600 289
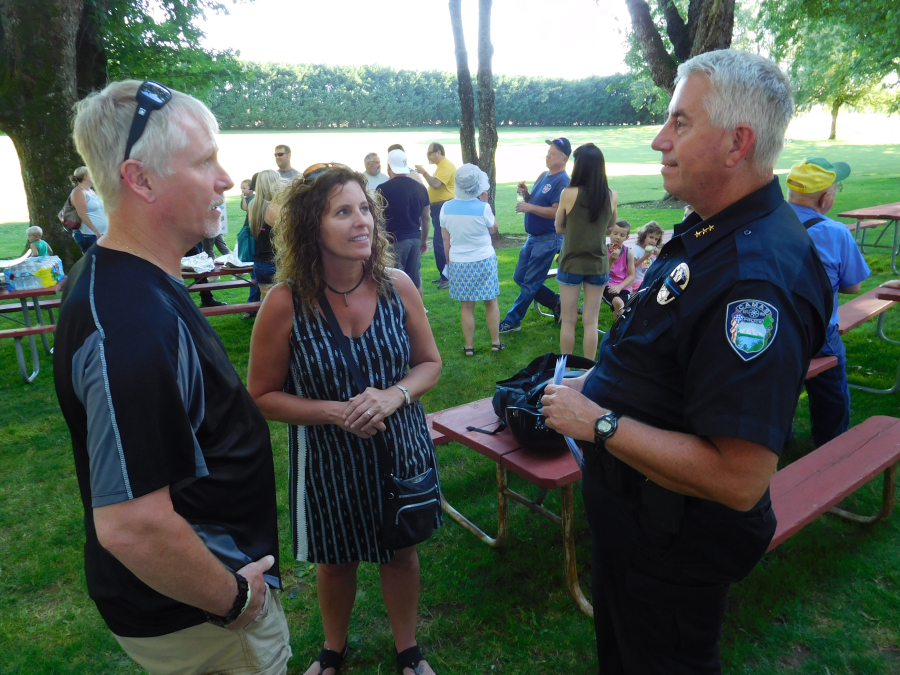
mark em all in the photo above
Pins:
pixel 660 586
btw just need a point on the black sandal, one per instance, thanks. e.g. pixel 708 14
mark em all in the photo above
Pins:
pixel 328 658
pixel 469 351
pixel 499 347
pixel 410 658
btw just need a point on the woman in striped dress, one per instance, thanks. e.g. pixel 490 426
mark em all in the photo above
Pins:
pixel 327 242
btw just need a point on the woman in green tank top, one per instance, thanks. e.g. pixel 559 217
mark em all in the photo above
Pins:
pixel 586 210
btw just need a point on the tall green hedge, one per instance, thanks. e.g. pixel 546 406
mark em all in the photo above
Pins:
pixel 288 96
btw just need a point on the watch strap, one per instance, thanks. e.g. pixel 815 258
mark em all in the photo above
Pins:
pixel 241 602
pixel 405 393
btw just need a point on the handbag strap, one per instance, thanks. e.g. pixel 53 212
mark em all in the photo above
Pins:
pixel 385 460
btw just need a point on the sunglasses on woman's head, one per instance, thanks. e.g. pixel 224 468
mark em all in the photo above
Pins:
pixel 317 170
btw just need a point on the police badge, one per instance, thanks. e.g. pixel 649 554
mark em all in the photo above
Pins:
pixel 751 326
pixel 674 284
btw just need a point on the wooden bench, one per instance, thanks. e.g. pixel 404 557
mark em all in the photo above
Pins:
pixel 9 307
pixel 804 490
pixel 18 334
pixel 858 225
pixel 860 310
pixel 230 309
pixel 222 285
pixel 820 365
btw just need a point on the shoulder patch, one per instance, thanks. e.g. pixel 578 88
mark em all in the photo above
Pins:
pixel 751 326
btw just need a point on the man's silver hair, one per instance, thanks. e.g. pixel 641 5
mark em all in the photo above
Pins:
pixel 746 89
pixel 370 157
pixel 102 124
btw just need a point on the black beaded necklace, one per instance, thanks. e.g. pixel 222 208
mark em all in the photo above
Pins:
pixel 345 293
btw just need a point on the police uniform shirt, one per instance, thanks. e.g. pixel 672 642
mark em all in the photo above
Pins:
pixel 718 340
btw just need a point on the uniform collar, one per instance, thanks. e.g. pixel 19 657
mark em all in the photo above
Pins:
pixel 697 235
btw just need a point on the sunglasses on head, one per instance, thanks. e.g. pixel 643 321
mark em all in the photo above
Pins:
pixel 150 96
pixel 317 170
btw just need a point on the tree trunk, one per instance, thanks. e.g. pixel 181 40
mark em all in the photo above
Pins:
pixel 37 91
pixel 661 65
pixel 834 113
pixel 487 120
pixel 466 92
pixel 709 27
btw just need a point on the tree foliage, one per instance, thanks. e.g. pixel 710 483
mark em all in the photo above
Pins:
pixel 843 49
pixel 53 52
pixel 825 70
pixel 290 96
pixel 159 39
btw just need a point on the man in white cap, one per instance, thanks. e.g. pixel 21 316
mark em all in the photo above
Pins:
pixel 406 216
pixel 812 186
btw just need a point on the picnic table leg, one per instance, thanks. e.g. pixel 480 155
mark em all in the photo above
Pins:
pixel 893 390
pixel 502 514
pixel 887 501
pixel 879 330
pixel 894 250
pixel 35 362
pixel 40 318
pixel 568 525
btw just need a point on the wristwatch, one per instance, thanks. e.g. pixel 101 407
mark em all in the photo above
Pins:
pixel 405 393
pixel 605 427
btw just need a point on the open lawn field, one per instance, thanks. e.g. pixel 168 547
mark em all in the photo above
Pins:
pixel 827 601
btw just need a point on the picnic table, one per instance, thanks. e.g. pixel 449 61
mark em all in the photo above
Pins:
pixel 219 271
pixel 557 472
pixel 29 330
pixel 889 214
pixel 547 473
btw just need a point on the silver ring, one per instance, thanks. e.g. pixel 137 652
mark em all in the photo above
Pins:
pixel 368 412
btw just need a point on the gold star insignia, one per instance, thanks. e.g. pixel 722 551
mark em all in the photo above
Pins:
pixel 705 230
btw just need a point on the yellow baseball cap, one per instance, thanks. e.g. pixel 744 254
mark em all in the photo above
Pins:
pixel 815 174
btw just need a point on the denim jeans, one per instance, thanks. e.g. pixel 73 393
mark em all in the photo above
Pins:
pixel 84 241
pixel 829 393
pixel 437 240
pixel 535 260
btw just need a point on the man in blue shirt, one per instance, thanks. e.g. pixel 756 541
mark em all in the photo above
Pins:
pixel 543 243
pixel 812 185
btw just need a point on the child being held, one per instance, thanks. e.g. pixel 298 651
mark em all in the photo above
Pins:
pixel 621 266
pixel 36 246
pixel 649 238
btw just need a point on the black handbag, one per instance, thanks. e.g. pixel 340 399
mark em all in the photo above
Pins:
pixel 412 506
pixel 517 403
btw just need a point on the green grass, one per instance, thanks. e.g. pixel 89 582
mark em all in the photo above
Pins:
pixel 827 601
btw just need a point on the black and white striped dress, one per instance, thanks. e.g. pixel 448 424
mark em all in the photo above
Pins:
pixel 335 486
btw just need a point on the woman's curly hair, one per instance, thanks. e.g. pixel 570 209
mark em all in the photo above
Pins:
pixel 298 258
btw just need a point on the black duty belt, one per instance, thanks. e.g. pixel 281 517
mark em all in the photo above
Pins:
pixel 655 505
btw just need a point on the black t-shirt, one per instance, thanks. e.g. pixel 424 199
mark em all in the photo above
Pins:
pixel 151 400
pixel 405 199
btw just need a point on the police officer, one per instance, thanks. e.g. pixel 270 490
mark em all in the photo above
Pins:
pixel 678 463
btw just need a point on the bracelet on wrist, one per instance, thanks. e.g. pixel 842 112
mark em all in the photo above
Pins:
pixel 241 603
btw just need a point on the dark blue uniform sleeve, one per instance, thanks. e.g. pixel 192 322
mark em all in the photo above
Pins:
pixel 746 362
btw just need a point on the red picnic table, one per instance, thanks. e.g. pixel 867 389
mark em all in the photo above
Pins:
pixel 547 473
pixel 557 472
pixel 890 213
pixel 29 332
